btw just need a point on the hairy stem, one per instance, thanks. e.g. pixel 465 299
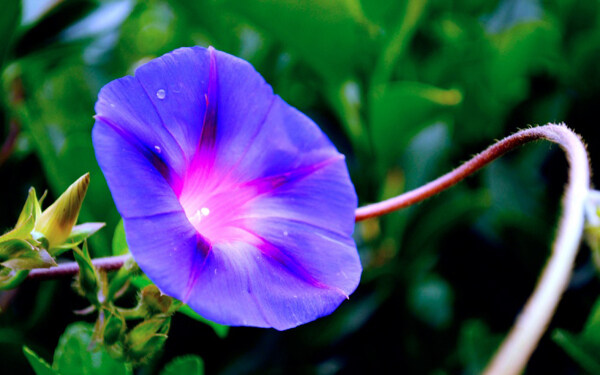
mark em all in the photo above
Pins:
pixel 72 268
pixel 513 354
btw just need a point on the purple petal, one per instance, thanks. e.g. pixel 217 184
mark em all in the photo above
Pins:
pixel 168 249
pixel 239 285
pixel 133 173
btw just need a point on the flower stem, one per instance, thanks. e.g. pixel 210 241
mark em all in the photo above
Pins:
pixel 513 354
pixel 530 325
pixel 72 268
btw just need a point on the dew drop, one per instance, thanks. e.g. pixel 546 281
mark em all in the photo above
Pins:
pixel 161 94
pixel 158 149
pixel 205 211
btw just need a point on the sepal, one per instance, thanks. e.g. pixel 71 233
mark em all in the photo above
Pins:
pixel 87 281
pixel 57 221
pixel 23 255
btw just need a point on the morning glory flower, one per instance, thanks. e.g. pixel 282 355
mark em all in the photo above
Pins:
pixel 233 201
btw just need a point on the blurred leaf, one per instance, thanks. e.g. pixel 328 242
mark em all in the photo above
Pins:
pixel 431 300
pixel 119 242
pixel 401 110
pixel 9 21
pixel 584 354
pixel 584 347
pixel 302 25
pixel 476 345
pixel 189 364
pixel 40 367
pixel 398 41
pixel 76 354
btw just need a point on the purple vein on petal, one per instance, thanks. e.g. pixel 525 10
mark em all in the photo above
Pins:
pixel 290 264
pixel 203 247
pixel 209 126
pixel 250 141
pixel 204 157
pixel 172 178
pixel 264 185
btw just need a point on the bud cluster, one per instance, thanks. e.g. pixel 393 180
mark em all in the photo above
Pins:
pixel 39 237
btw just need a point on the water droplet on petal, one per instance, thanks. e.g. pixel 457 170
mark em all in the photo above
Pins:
pixel 205 211
pixel 161 94
pixel 158 149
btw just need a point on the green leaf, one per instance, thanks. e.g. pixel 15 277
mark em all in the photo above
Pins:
pixel 302 25
pixel 76 354
pixel 188 365
pixel 9 21
pixel 221 330
pixel 21 255
pixel 119 242
pixel 40 367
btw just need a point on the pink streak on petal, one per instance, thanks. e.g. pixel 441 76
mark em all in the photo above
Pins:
pixel 215 210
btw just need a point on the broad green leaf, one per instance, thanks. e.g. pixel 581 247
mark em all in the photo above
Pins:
pixel 188 365
pixel 334 36
pixel 76 354
pixel 221 330
pixel 119 242
pixel 40 367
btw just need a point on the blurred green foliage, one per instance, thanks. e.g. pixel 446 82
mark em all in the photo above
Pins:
pixel 407 90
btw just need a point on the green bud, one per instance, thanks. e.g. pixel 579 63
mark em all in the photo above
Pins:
pixel 57 221
pixel 114 327
pixel 22 255
pixel 87 280
pixel 31 209
pixel 147 338
pixel 153 301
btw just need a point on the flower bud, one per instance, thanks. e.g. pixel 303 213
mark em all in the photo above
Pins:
pixel 153 301
pixel 87 280
pixel 147 338
pixel 56 222
pixel 113 328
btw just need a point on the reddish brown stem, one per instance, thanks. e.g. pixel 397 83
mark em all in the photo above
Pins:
pixel 452 178
pixel 71 268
